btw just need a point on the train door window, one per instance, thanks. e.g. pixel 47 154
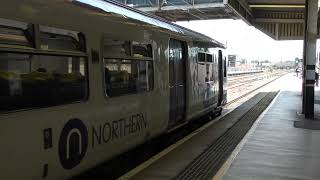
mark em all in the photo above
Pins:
pixel 14 33
pixel 150 75
pixel 214 64
pixel 61 39
pixel 216 68
pixel 225 67
pixel 209 68
pixel 128 67
pixel 171 68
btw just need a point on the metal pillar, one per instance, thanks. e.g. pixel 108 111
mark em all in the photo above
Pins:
pixel 304 57
pixel 310 57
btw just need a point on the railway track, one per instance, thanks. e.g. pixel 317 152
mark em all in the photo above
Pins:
pixel 235 79
pixel 239 97
pixel 245 79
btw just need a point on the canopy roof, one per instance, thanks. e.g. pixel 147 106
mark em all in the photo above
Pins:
pixel 280 19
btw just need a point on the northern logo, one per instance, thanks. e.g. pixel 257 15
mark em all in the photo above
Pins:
pixel 73 143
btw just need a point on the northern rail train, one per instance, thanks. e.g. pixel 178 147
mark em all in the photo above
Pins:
pixel 82 81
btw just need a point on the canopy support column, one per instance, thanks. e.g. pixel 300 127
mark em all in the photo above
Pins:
pixel 310 56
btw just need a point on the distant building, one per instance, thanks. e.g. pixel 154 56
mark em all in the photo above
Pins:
pixel 232 60
pixel 285 65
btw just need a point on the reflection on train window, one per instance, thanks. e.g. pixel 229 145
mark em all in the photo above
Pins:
pixel 141 50
pixel 60 39
pixel 202 73
pixel 128 76
pixel 116 48
pixel 209 58
pixel 34 81
pixel 14 33
pixel 205 68
pixel 201 57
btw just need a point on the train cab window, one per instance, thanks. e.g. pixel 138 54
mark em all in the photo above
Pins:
pixel 14 33
pixel 61 39
pixel 128 67
pixel 34 81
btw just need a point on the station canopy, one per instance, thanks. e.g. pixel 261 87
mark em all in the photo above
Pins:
pixel 280 19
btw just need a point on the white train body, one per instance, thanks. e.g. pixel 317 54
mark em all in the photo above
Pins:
pixel 84 81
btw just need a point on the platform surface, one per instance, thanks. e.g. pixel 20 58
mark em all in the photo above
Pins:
pixel 172 163
pixel 275 150
pixel 175 163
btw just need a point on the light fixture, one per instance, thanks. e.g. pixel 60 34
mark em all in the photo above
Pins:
pixel 276 6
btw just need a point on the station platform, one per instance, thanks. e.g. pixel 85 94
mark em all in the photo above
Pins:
pixel 276 149
pixel 255 140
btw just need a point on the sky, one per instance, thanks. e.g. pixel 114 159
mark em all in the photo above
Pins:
pixel 246 41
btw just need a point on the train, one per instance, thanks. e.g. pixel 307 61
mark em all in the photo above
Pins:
pixel 83 81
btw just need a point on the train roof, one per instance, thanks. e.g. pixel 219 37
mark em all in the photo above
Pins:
pixel 114 7
pixel 87 13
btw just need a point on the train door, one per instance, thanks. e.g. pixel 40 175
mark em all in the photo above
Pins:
pixel 177 82
pixel 221 77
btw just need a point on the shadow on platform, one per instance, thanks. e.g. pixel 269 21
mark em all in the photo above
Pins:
pixel 312 124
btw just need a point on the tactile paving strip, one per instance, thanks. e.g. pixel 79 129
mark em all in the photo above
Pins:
pixel 209 162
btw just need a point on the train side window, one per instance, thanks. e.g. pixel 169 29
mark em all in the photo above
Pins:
pixel 209 67
pixel 14 33
pixel 61 39
pixel 141 49
pixel 202 68
pixel 35 81
pixel 124 76
pixel 116 48
pixel 209 58
pixel 201 57
pixel 128 67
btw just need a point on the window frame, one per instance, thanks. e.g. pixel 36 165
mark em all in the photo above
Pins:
pixel 36 50
pixel 125 57
pixel 205 63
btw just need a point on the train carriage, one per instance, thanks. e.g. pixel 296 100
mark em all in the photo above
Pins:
pixel 84 81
